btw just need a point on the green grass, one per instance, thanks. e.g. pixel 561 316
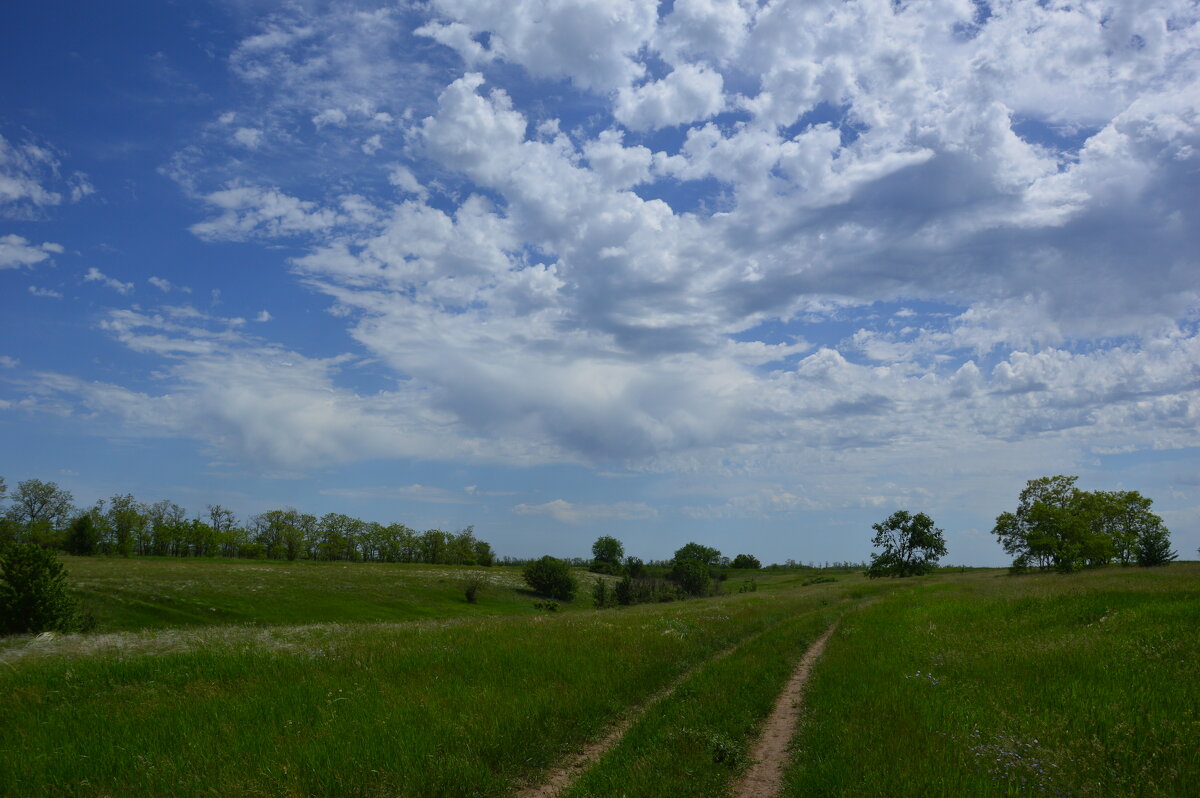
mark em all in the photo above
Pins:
pixel 164 593
pixel 237 678
pixel 469 706
pixel 992 685
pixel 696 741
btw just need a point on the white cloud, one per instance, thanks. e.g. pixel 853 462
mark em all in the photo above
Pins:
pixel 7 362
pixel 48 293
pixel 31 180
pixel 372 144
pixel 263 317
pixel 690 93
pixel 94 275
pixel 249 137
pixel 248 212
pixel 594 43
pixel 166 286
pixel 568 513
pixel 16 252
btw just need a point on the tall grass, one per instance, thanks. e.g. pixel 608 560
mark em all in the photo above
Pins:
pixel 452 707
pixel 992 685
pixel 697 740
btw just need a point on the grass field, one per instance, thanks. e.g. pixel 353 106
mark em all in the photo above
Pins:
pixel 1087 684
pixel 956 684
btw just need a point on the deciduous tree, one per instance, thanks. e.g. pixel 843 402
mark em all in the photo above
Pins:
pixel 911 545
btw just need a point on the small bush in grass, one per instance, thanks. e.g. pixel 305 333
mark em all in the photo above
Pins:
pixel 816 580
pixel 548 606
pixel 33 593
pixel 551 577
pixel 471 586
pixel 623 592
pixel 601 595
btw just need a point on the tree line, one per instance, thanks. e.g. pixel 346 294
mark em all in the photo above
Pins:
pixel 44 514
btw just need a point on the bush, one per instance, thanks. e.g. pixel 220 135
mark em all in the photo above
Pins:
pixel 601 595
pixel 551 577
pixel 471 586
pixel 33 593
pixel 623 592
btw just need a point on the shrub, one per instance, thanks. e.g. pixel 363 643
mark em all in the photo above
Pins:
pixel 33 593
pixel 550 577
pixel 623 592
pixel 601 595
pixel 548 606
pixel 471 586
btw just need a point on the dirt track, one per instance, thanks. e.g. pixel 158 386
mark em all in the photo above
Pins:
pixel 770 756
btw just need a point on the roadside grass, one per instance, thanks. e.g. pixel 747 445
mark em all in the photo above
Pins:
pixel 987 684
pixel 696 741
pixel 467 706
pixel 161 593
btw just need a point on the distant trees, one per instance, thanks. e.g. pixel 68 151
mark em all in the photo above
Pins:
pixel 911 545
pixel 746 561
pixel 42 513
pixel 1057 525
pixel 692 567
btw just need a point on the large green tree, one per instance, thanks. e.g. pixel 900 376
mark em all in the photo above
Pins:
pixel 1057 525
pixel 911 545
pixel 607 552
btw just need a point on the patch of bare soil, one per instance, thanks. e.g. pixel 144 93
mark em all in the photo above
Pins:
pixel 770 756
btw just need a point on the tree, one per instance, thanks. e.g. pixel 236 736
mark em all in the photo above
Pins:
pixel 607 552
pixel 127 520
pixel 35 502
pixel 691 568
pixel 911 545
pixel 83 538
pixel 1057 525
pixel 746 561
pixel 694 551
pixel 33 592
pixel 550 577
pixel 692 576
pixel 1154 545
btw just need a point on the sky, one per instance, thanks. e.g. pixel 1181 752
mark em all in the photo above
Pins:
pixel 751 274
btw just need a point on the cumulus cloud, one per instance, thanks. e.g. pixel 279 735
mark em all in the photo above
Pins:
pixel 690 93
pixel 593 43
pixel 94 275
pixel 246 212
pixel 16 252
pixel 908 232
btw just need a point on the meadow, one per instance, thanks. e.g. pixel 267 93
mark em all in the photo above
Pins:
pixel 359 679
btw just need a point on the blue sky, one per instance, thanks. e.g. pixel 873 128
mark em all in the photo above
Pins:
pixel 754 274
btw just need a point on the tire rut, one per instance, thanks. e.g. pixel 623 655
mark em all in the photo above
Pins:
pixel 770 757
pixel 563 775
